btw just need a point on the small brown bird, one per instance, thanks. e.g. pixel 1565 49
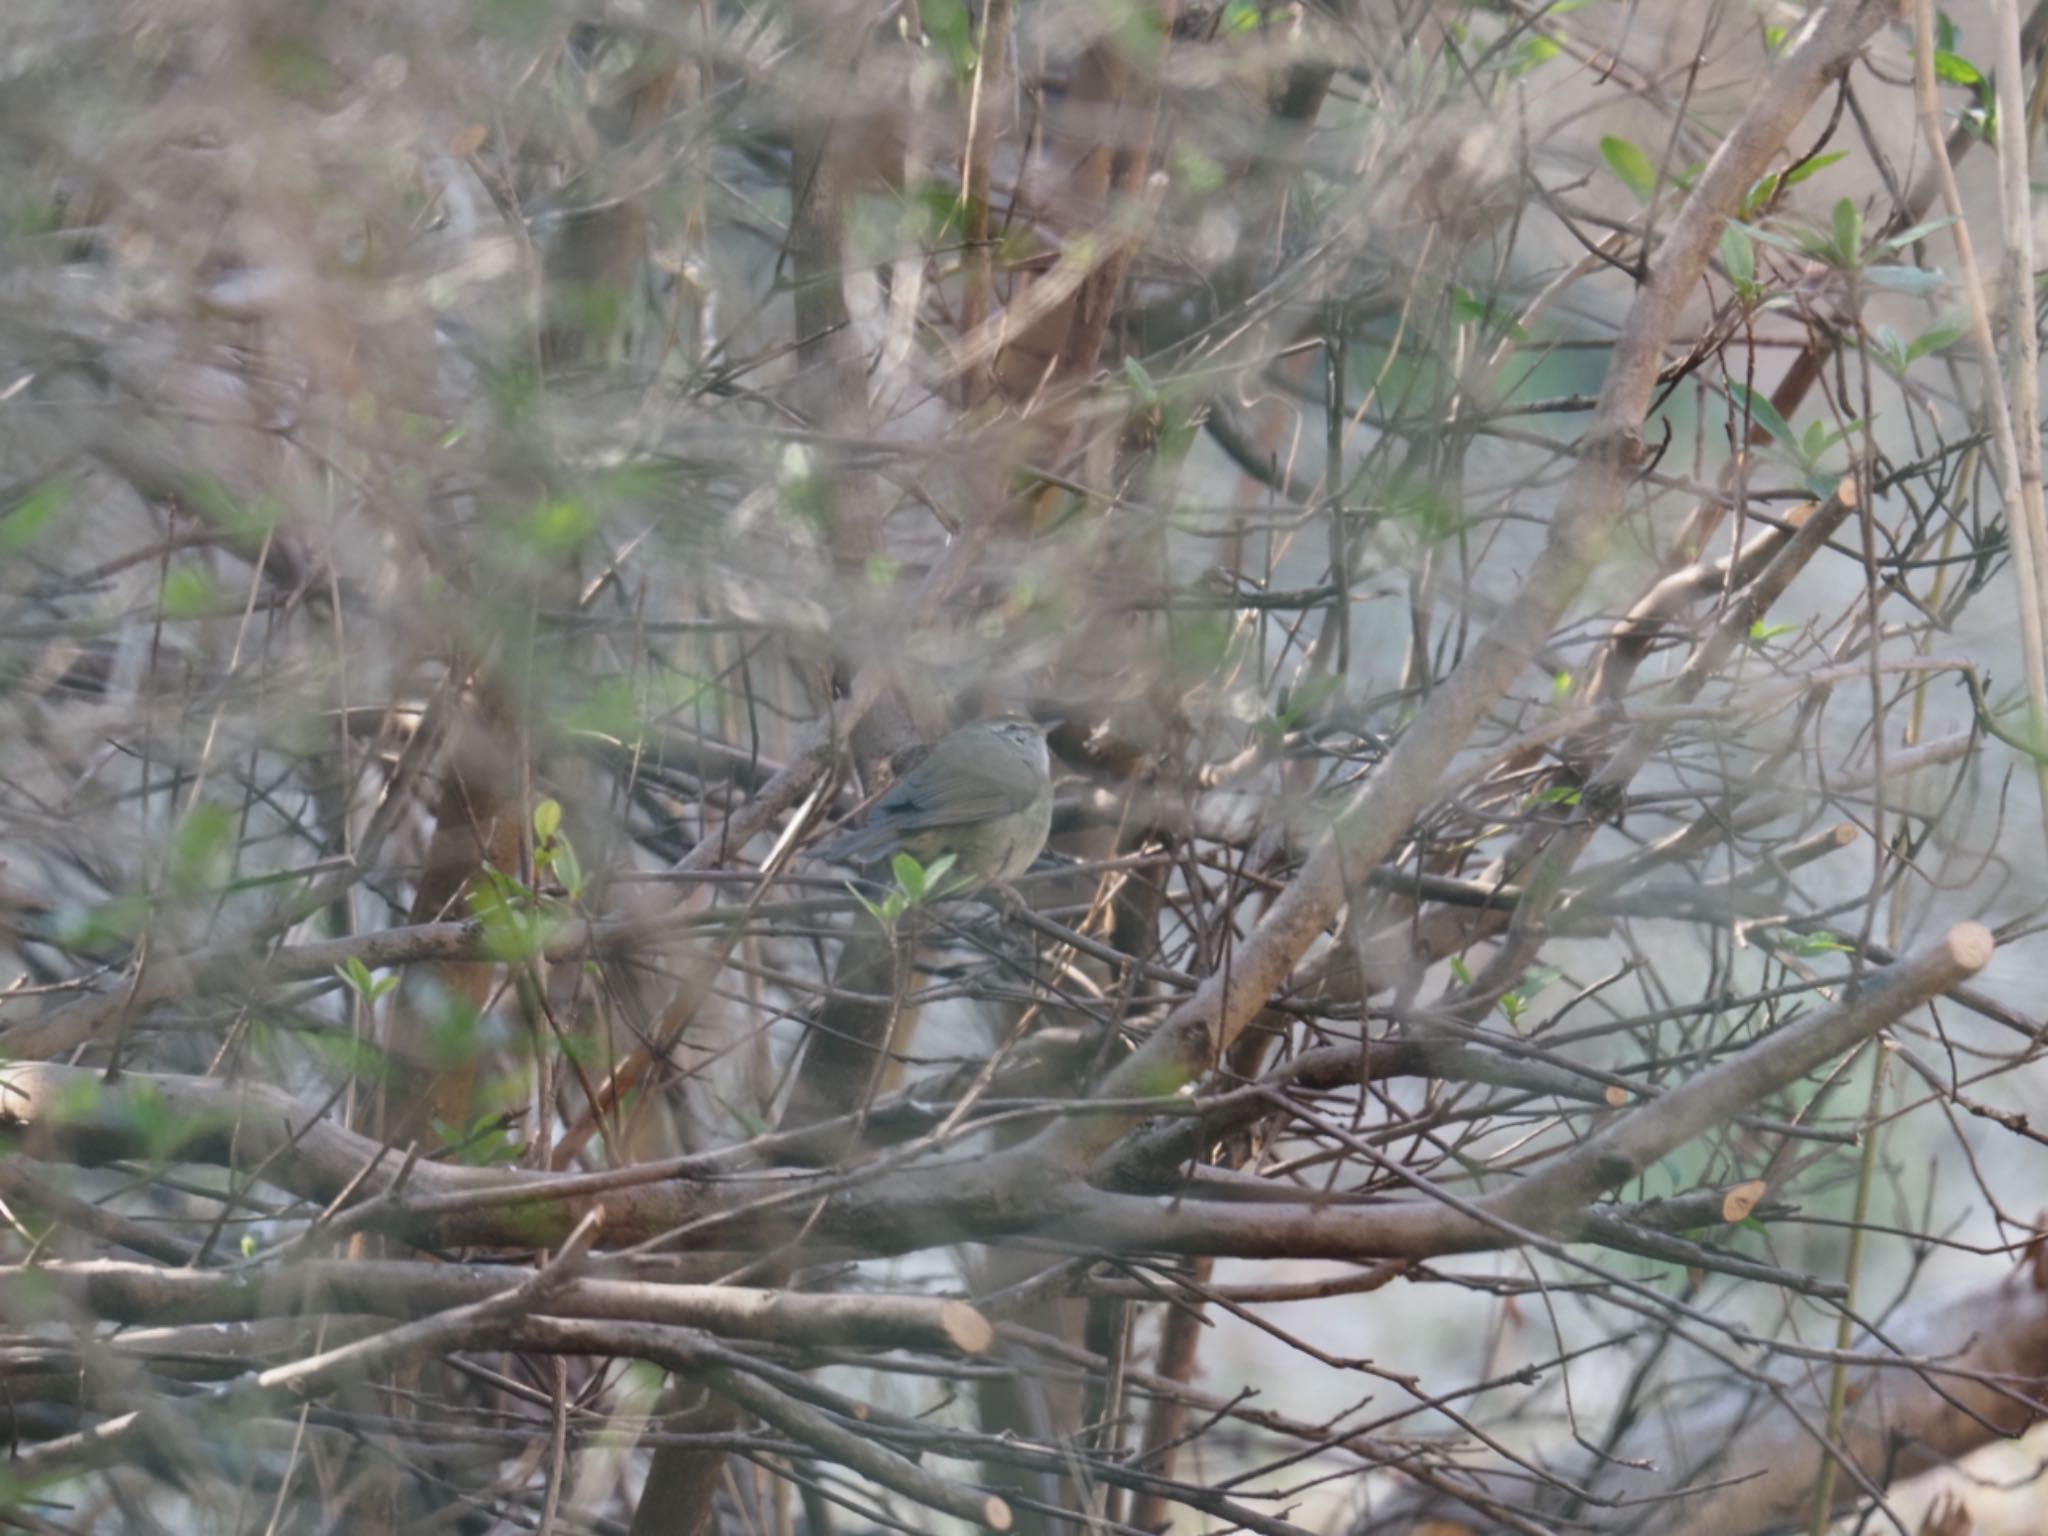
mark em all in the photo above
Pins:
pixel 983 794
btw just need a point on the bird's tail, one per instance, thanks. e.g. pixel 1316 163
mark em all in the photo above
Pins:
pixel 863 845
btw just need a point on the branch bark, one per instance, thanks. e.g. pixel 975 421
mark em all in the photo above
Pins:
pixel 1406 781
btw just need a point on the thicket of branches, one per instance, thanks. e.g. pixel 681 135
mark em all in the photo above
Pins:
pixel 1528 518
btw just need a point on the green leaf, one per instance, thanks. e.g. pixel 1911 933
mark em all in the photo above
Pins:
pixel 1533 54
pixel 77 1099
pixel 1738 255
pixel 547 819
pixel 1759 409
pixel 1200 643
pixel 349 1057
pixel 1818 944
pixel 112 922
pixel 1953 69
pixel 246 520
pixel 161 1131
pixel 559 526
pixel 24 523
pixel 1196 172
pixel 1471 309
pixel 1833 435
pixel 513 929
pixel 188 593
pixel 1848 231
pixel 1934 339
pixel 356 977
pixel 909 875
pixel 1793 244
pixel 951 31
pixel 1631 167
pixel 1303 701
pixel 932 213
pixel 488 1143
pixel 872 910
pixel 1917 233
pixel 1423 506
pixel 1813 167
pixel 1141 382
pixel 569 870
pixel 1916 281
pixel 202 850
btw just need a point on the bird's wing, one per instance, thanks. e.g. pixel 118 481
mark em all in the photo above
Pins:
pixel 860 846
pixel 921 802
pixel 913 807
